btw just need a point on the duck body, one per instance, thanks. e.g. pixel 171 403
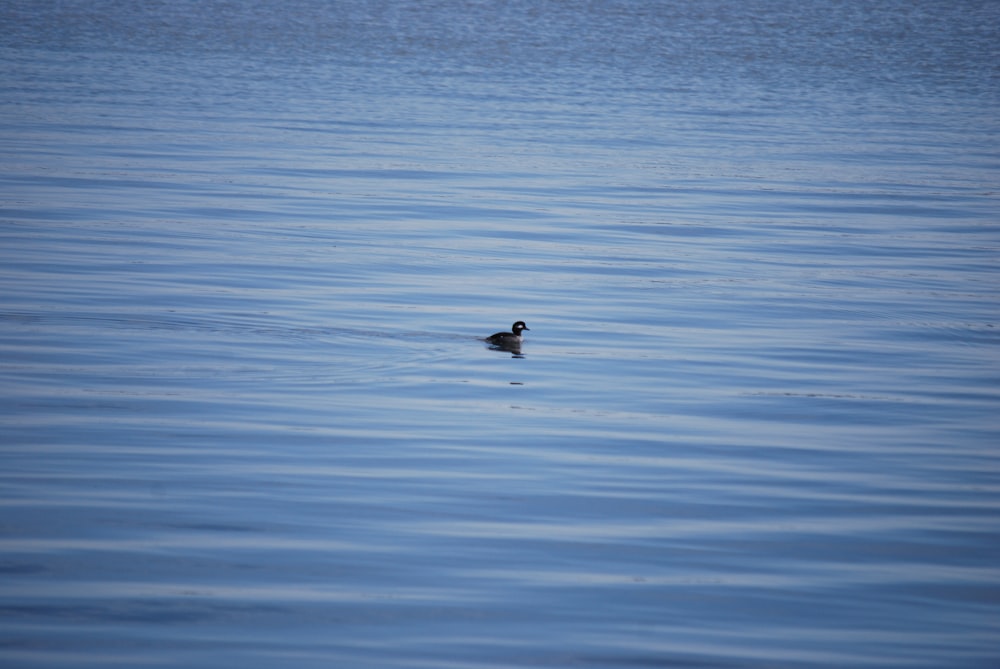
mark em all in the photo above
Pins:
pixel 510 339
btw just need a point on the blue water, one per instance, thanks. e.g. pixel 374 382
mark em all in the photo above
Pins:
pixel 247 250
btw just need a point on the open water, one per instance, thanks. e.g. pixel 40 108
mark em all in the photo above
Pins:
pixel 247 250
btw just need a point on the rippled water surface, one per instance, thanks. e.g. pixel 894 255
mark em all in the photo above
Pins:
pixel 247 251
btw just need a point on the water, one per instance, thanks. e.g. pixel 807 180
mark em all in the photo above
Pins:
pixel 246 250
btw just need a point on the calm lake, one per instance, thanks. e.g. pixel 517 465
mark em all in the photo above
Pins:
pixel 248 251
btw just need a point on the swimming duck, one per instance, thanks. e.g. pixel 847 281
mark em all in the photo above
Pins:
pixel 510 339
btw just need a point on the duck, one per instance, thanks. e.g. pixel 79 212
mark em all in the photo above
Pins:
pixel 508 340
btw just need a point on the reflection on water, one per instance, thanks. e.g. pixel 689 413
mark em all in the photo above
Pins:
pixel 513 349
pixel 249 253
